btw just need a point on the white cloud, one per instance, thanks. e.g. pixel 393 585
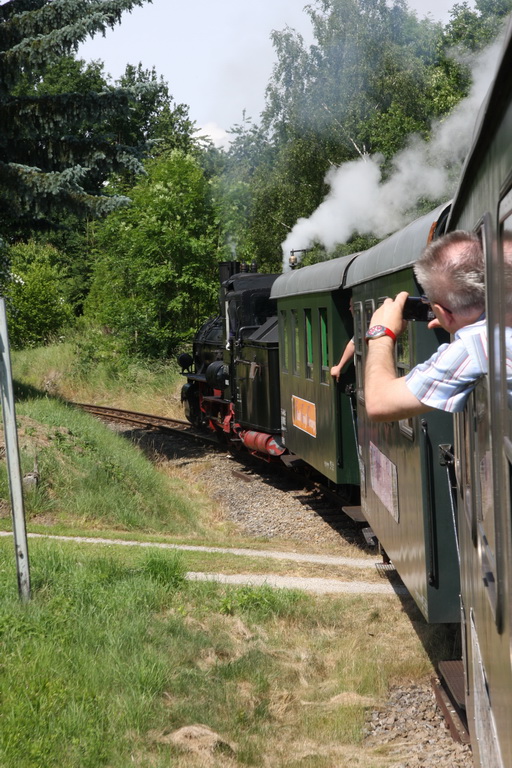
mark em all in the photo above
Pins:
pixel 218 135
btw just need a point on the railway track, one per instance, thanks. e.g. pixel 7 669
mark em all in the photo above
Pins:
pixel 180 427
pixel 335 519
pixel 148 421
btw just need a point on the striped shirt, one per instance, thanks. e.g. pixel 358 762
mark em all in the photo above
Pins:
pixel 446 380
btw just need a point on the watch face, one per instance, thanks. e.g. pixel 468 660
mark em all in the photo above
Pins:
pixel 375 331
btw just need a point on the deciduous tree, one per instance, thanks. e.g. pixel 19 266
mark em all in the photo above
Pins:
pixel 155 273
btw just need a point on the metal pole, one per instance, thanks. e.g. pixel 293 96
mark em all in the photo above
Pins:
pixel 13 460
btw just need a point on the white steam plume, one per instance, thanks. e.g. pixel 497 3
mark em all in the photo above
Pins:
pixel 359 202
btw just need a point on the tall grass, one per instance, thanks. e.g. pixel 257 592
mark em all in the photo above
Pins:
pixel 117 650
pixel 91 477
pixel 84 370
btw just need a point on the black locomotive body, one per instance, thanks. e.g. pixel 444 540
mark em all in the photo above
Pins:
pixel 234 387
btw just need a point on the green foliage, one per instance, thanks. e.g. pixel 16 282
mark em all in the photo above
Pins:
pixel 261 602
pixel 154 277
pixel 55 148
pixel 358 89
pixel 37 308
pixel 165 568
pixel 106 661
pixel 474 28
pixel 374 76
pixel 367 57
pixel 153 116
pixel 92 477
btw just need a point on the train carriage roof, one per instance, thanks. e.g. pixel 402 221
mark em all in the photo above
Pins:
pixel 317 278
pixel 398 251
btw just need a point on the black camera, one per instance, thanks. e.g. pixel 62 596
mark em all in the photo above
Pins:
pixel 417 308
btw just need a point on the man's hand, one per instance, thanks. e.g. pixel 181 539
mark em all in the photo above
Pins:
pixel 390 314
pixel 387 397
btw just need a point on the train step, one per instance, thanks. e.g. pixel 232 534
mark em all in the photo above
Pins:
pixel 355 513
pixel 292 461
pixel 384 569
pixel 449 692
pixel 452 674
pixel 370 537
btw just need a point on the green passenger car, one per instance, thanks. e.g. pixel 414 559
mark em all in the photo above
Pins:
pixel 405 487
pixel 315 324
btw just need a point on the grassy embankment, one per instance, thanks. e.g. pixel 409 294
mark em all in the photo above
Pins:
pixel 117 650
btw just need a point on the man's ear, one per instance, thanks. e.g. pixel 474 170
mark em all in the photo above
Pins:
pixel 445 319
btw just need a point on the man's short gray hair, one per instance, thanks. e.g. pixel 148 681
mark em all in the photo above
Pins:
pixel 451 272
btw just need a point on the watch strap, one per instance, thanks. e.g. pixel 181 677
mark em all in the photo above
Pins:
pixel 381 330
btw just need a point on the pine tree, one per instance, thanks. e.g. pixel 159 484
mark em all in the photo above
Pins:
pixel 56 151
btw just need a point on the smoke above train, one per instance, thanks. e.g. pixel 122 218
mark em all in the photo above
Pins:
pixel 359 201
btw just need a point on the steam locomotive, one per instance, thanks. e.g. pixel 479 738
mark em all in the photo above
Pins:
pixel 436 489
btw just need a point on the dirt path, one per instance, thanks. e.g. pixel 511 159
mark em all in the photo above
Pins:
pixel 308 584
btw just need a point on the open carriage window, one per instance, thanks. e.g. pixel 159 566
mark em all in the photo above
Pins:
pixel 505 267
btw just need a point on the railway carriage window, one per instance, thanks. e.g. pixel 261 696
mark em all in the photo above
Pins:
pixel 324 345
pixel 482 415
pixel 358 327
pixel 359 344
pixel 295 342
pixel 403 366
pixel 362 317
pixel 369 309
pixel 506 320
pixel 284 341
pixel 309 343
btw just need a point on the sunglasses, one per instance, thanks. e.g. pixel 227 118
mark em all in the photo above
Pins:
pixel 425 300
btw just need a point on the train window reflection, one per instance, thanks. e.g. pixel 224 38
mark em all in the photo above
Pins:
pixel 284 341
pixel 358 339
pixel 506 301
pixel 324 345
pixel 403 366
pixel 369 309
pixel 308 333
pixel 295 342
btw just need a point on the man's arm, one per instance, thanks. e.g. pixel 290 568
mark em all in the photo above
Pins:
pixel 386 395
pixel 347 355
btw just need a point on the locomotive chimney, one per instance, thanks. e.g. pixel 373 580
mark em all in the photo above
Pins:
pixel 226 270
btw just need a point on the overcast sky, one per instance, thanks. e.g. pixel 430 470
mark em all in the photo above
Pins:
pixel 216 57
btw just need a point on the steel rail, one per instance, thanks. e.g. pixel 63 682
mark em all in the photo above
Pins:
pixel 147 421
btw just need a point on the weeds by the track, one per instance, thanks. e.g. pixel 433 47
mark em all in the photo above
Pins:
pixel 117 651
pixel 73 372
pixel 90 477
